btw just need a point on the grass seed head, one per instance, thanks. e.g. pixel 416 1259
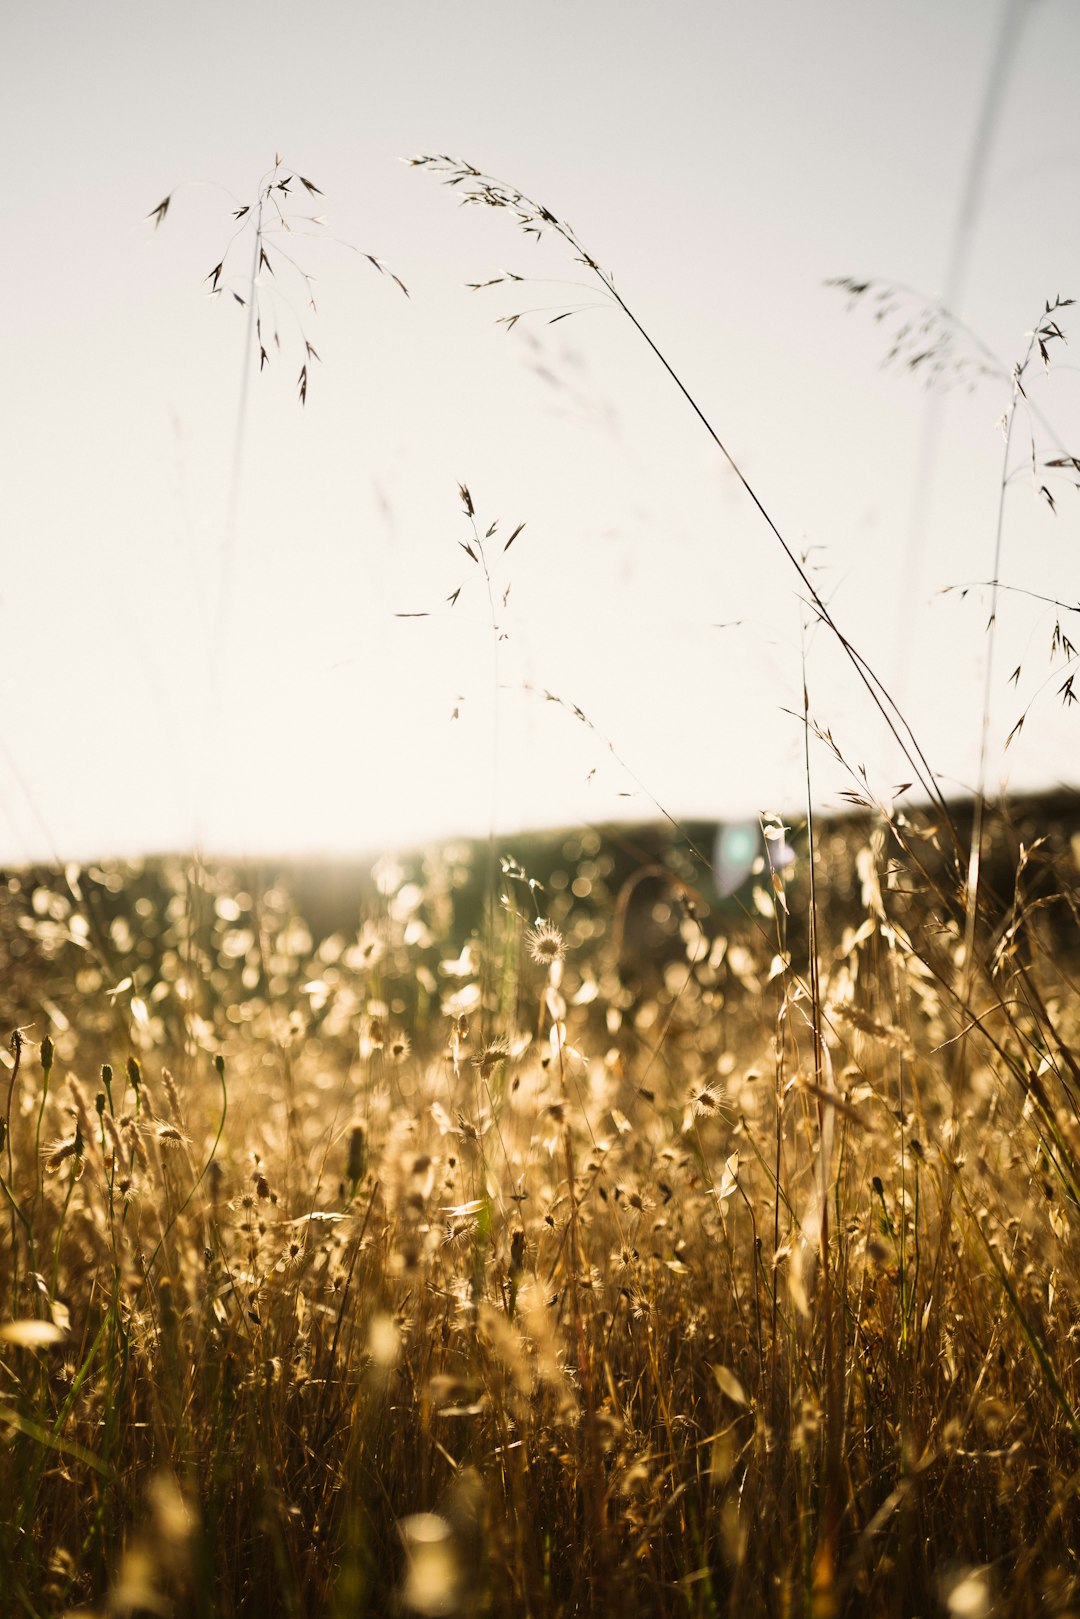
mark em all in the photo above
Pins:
pixel 58 1152
pixel 356 1162
pixel 546 944
pixel 495 1052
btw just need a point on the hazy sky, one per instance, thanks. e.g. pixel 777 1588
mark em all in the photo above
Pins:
pixel 722 161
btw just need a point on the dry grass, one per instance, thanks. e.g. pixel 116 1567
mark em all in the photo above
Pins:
pixel 544 1242
pixel 632 1282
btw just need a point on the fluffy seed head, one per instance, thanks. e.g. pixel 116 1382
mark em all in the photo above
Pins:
pixel 495 1052
pixel 546 944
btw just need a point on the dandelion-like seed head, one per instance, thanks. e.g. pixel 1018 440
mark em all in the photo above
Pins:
pixel 495 1052
pixel 546 944
pixel 706 1100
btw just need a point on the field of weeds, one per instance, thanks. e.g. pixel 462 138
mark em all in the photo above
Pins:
pixel 559 1244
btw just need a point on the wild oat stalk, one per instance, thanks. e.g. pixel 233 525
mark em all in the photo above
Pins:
pixel 482 190
pixel 268 221
pixel 498 597
pixel 1045 332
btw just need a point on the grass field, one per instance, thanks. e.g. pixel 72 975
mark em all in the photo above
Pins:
pixel 585 1248
pixel 526 1229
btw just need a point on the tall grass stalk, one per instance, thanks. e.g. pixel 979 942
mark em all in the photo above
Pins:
pixel 479 189
pixel 725 1264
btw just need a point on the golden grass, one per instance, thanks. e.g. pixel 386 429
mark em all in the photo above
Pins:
pixel 545 1243
pixel 534 1268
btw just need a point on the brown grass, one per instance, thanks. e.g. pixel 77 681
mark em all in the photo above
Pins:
pixel 367 1287
pixel 552 1245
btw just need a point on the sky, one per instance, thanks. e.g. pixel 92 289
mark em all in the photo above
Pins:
pixel 204 582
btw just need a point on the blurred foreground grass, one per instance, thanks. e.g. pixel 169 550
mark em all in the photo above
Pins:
pixel 372 1248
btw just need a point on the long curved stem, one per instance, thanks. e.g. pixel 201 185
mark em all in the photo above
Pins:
pixel 534 219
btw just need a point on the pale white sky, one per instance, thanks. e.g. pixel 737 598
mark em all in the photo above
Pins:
pixel 721 161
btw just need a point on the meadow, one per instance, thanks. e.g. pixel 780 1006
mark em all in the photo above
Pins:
pixel 599 1252
pixel 529 1229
